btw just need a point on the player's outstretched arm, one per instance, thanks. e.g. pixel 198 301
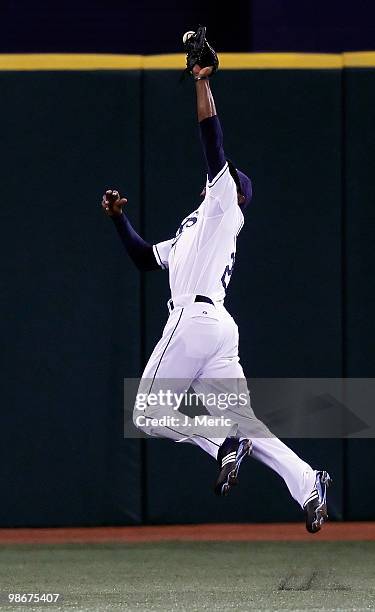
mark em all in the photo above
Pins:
pixel 140 251
pixel 202 62
pixel 205 101
pixel 209 124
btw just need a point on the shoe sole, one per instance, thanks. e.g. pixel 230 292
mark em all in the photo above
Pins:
pixel 244 450
pixel 321 514
pixel 321 518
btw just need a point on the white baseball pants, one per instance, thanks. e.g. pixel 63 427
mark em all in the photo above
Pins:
pixel 199 348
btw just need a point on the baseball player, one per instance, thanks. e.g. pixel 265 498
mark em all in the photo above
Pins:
pixel 199 344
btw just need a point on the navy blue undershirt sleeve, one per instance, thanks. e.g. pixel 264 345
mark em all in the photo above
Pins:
pixel 138 249
pixel 212 142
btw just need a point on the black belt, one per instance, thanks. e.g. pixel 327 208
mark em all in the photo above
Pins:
pixel 198 298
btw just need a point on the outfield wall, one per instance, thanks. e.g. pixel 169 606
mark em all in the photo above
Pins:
pixel 78 318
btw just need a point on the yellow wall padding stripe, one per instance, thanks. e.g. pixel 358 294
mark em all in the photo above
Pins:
pixel 69 61
pixel 279 60
pixel 173 61
pixel 359 59
pixel 176 61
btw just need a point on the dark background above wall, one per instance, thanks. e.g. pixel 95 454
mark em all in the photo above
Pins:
pixel 120 26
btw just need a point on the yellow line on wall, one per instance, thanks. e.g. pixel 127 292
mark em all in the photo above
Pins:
pixel 359 59
pixel 280 60
pixel 69 61
pixel 176 61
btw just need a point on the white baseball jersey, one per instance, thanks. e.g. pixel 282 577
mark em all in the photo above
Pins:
pixel 200 258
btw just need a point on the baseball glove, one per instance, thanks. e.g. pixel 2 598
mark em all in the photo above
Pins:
pixel 198 51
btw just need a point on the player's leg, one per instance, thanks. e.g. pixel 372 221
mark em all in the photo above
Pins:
pixel 298 475
pixel 186 344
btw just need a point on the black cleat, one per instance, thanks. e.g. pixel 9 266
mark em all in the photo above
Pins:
pixel 316 505
pixel 230 456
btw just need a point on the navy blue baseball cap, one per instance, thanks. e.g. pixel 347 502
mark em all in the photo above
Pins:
pixel 243 183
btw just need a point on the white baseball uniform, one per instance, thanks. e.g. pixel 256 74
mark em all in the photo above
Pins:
pixel 199 345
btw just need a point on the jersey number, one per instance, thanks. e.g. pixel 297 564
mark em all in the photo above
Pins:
pixel 186 223
pixel 228 272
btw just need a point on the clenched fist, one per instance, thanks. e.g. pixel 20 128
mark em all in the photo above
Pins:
pixel 112 203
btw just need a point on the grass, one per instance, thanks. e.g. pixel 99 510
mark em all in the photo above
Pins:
pixel 194 576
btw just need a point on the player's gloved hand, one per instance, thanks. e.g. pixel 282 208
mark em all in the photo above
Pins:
pixel 199 52
pixel 112 203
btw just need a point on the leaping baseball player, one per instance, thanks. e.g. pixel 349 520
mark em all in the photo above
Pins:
pixel 199 345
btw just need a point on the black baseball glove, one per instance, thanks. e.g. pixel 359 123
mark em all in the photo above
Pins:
pixel 198 51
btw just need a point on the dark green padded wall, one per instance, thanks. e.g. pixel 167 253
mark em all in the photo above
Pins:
pixel 284 129
pixel 76 319
pixel 360 271
pixel 70 326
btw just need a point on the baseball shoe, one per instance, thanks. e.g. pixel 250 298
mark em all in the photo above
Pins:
pixel 230 456
pixel 316 506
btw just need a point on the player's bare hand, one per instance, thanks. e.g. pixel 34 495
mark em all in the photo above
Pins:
pixel 202 72
pixel 113 203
